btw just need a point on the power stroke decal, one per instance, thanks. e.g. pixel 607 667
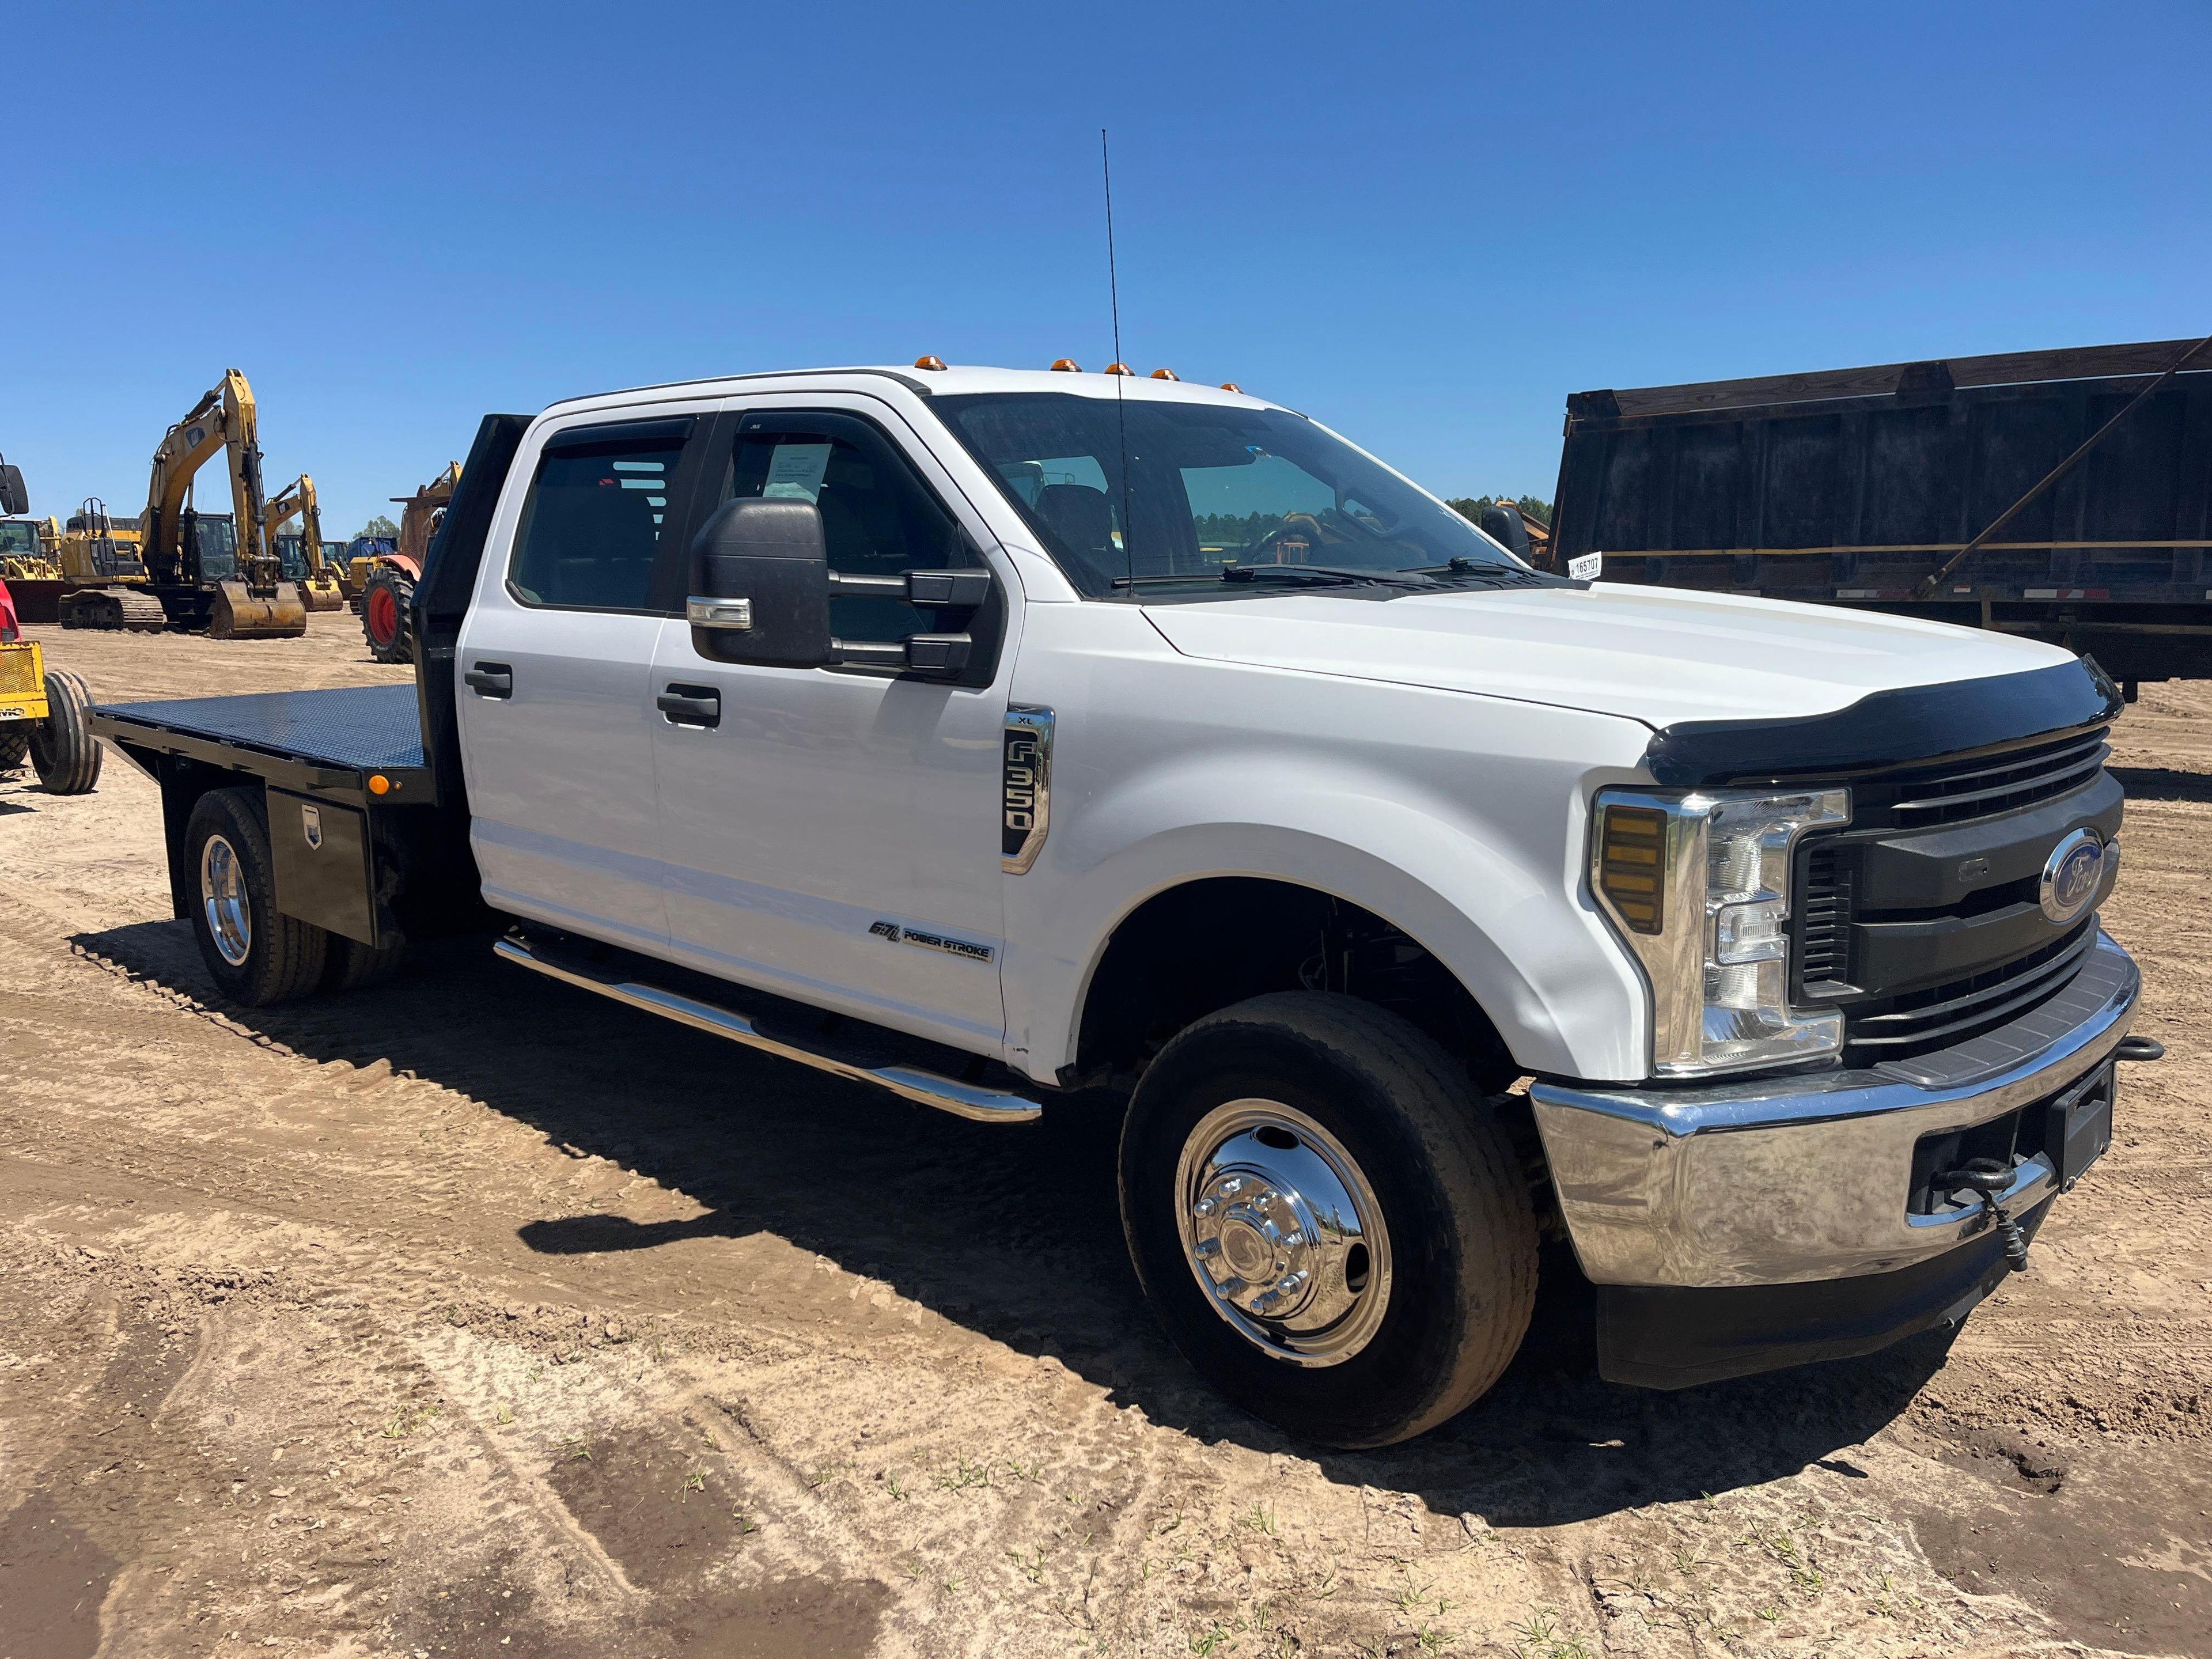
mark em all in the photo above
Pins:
pixel 967 950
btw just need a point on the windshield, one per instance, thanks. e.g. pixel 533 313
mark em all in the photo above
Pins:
pixel 218 549
pixel 19 539
pixel 1208 488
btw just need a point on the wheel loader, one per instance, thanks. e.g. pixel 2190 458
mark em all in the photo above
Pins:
pixel 230 588
pixel 41 712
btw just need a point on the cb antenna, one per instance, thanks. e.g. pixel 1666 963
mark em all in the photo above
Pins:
pixel 1119 370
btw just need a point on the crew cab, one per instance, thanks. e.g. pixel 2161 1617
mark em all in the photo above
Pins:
pixel 1029 742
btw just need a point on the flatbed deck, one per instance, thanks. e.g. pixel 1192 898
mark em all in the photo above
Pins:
pixel 329 742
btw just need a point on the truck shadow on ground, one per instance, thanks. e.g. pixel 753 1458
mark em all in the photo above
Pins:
pixel 1014 1232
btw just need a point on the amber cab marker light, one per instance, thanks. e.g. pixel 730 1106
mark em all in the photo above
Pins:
pixel 1120 369
pixel 929 362
pixel 1629 867
pixel 1231 386
pixel 1165 374
pixel 379 784
pixel 1066 366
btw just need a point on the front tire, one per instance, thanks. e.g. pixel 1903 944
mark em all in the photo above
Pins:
pixel 63 751
pixel 258 954
pixel 14 744
pixel 1327 1222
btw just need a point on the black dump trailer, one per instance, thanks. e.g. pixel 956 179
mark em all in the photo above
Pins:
pixel 2061 495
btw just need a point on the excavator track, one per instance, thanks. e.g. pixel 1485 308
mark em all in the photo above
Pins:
pixel 119 608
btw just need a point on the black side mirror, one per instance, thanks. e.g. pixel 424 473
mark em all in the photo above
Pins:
pixel 1501 523
pixel 14 498
pixel 760 584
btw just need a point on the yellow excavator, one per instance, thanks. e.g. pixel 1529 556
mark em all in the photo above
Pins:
pixel 386 581
pixel 300 556
pixel 208 572
pixel 96 551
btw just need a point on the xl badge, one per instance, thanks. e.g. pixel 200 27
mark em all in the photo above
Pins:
pixel 311 824
pixel 2071 876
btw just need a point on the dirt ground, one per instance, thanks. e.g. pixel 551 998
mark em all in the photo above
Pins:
pixel 476 1315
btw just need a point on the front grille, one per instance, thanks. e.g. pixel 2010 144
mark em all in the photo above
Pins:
pixel 1946 1014
pixel 18 675
pixel 1824 950
pixel 1960 791
pixel 1841 910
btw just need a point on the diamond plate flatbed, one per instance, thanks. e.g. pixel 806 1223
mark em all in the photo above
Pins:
pixel 330 742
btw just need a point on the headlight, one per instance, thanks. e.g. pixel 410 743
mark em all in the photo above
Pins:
pixel 1698 886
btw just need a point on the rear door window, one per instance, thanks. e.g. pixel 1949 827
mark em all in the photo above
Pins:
pixel 591 533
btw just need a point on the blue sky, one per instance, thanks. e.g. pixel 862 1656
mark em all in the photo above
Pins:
pixel 1426 224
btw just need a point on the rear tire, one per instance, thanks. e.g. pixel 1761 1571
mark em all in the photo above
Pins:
pixel 1366 1110
pixel 384 600
pixel 63 749
pixel 258 954
pixel 14 744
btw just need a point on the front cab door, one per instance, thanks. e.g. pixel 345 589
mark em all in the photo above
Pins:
pixel 831 834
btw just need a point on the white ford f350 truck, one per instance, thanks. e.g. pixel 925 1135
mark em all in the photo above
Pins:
pixel 1026 742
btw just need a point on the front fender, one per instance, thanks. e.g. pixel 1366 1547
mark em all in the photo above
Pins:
pixel 1459 820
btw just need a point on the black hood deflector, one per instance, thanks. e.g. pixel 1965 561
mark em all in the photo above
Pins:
pixel 1886 729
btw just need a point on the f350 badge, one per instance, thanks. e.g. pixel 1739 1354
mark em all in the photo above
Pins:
pixel 1024 788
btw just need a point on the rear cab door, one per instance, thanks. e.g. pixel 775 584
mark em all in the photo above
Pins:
pixel 554 665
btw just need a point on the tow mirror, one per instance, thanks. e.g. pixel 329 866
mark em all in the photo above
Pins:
pixel 760 584
pixel 760 587
pixel 13 497
pixel 1501 523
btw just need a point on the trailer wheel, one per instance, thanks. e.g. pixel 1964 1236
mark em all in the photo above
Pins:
pixel 14 744
pixel 1326 1218
pixel 383 605
pixel 63 749
pixel 353 966
pixel 258 954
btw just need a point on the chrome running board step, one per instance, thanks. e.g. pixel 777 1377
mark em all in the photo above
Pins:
pixel 967 1100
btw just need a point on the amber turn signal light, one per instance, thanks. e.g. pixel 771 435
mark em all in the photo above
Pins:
pixel 379 784
pixel 1231 386
pixel 929 362
pixel 1066 366
pixel 1165 374
pixel 1120 369
pixel 1630 865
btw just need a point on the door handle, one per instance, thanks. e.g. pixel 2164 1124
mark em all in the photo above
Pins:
pixel 690 705
pixel 491 679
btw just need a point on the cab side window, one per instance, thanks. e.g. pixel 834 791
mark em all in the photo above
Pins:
pixel 590 528
pixel 878 519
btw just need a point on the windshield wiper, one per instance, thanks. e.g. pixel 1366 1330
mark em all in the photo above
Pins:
pixel 1496 575
pixel 1295 575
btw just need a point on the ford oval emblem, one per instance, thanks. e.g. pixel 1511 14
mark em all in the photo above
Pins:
pixel 2071 876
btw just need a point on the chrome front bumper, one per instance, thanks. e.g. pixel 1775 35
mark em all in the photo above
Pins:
pixel 1782 1179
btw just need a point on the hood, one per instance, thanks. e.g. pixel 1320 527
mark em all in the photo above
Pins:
pixel 1654 655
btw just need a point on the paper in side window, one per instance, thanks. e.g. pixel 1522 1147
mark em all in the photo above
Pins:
pixel 794 472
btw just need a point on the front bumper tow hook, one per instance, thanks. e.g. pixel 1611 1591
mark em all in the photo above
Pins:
pixel 2139 1049
pixel 1989 1176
